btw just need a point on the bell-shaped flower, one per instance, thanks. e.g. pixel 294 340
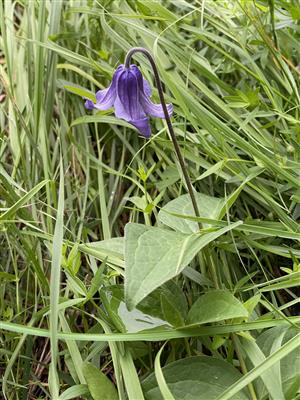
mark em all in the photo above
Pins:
pixel 129 93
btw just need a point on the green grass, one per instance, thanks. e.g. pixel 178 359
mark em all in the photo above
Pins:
pixel 72 180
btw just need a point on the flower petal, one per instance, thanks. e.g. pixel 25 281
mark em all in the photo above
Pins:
pixel 105 98
pixel 147 87
pixel 143 126
pixel 155 110
pixel 127 103
pixel 120 111
pixel 142 82
pixel 89 104
pixel 137 73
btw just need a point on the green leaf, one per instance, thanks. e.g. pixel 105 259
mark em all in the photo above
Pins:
pixel 251 303
pixel 209 207
pixel 135 320
pixel 197 277
pixel 214 169
pixel 173 304
pixel 287 283
pixel 111 250
pixel 130 375
pixel 168 177
pixel 100 387
pixel 230 200
pixel 96 281
pixel 216 305
pixel 288 368
pixel 163 387
pixel 76 285
pixel 271 377
pixel 154 255
pixel 171 313
pixel 10 212
pixel 80 91
pixel 5 276
pixel 55 286
pixel 139 202
pixel 74 392
pixel 79 71
pixel 292 345
pixel 152 304
pixel 114 246
pixel 194 378
pixel 101 118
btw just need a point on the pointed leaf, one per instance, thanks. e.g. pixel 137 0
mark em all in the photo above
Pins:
pixel 154 255
pixel 100 387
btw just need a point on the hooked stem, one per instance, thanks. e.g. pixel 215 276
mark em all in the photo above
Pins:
pixel 168 120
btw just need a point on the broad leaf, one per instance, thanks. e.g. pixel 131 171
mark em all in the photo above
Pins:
pixel 154 255
pixel 216 305
pixel 195 378
pixel 100 387
pixel 209 207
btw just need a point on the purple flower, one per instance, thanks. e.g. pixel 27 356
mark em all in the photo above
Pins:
pixel 129 93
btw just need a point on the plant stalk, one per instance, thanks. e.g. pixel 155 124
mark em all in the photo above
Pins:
pixel 168 120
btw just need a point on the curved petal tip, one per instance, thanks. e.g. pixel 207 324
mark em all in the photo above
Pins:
pixel 143 126
pixel 89 104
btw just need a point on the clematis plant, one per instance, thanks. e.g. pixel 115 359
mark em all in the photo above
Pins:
pixel 129 93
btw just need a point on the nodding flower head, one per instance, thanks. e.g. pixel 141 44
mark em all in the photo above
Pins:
pixel 129 93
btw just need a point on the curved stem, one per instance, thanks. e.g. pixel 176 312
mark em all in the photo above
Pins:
pixel 168 120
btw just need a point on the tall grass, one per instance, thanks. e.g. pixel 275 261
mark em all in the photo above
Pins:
pixel 71 180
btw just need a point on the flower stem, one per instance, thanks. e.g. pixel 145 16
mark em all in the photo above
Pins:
pixel 168 120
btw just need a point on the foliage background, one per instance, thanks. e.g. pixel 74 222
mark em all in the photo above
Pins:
pixel 69 178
